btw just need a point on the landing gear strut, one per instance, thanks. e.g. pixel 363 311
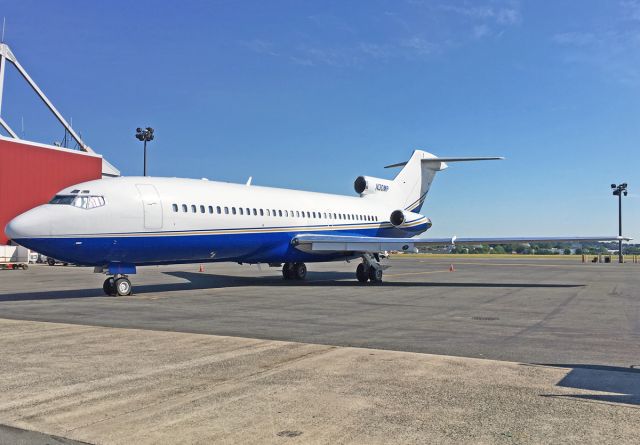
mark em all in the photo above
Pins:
pixel 294 271
pixel 370 269
pixel 117 285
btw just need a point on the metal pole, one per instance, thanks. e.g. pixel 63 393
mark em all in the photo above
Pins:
pixel 145 156
pixel 620 258
pixel 2 65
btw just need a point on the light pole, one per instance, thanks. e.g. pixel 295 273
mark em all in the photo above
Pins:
pixel 145 135
pixel 619 190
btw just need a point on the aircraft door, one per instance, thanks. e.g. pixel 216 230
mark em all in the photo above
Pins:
pixel 152 206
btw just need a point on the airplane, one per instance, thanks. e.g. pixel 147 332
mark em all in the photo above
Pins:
pixel 118 224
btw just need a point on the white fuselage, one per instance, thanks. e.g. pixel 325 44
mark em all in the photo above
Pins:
pixel 144 220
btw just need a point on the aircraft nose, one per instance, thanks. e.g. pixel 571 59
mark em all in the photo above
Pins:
pixel 26 225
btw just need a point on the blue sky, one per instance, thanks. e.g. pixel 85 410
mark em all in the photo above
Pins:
pixel 312 94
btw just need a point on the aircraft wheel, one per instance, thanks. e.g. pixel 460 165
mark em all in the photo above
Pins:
pixel 299 271
pixel 109 286
pixel 361 273
pixel 375 275
pixel 287 271
pixel 123 287
pixel 51 262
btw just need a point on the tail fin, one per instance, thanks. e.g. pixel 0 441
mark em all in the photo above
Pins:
pixel 410 187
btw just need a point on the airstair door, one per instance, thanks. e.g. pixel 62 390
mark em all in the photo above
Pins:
pixel 152 206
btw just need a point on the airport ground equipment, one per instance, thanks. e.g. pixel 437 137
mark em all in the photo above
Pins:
pixel 14 257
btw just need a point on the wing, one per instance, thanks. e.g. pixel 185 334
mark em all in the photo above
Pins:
pixel 339 243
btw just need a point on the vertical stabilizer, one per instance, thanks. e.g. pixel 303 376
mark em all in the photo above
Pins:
pixel 411 185
pixel 409 188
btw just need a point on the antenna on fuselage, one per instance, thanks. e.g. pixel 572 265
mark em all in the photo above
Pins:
pixel 249 180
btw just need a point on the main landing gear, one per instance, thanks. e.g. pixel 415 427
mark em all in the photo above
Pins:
pixel 370 269
pixel 294 271
pixel 117 285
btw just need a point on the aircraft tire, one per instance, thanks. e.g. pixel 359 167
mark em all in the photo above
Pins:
pixel 375 275
pixel 361 273
pixel 299 271
pixel 51 262
pixel 109 286
pixel 123 287
pixel 287 271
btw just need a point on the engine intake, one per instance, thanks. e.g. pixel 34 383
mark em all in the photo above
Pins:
pixel 398 218
pixel 360 184
pixel 366 185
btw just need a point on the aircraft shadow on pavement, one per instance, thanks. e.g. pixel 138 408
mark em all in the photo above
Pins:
pixel 344 279
pixel 623 383
pixel 199 280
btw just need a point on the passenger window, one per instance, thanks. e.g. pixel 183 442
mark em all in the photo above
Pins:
pixel 233 210
pixel 248 211
pixel 226 210
pixel 241 211
pixel 184 207
pixel 175 207
pixel 279 212
pixel 286 213
pixel 210 209
pixel 255 213
pixel 261 212
pixel 201 209
pixel 218 209
pixel 193 208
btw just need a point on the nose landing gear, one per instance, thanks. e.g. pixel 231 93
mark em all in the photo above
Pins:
pixel 117 285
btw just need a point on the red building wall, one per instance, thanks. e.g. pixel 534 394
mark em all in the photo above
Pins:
pixel 30 174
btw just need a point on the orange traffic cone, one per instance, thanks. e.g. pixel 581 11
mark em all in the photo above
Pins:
pixel 201 268
pixel 451 268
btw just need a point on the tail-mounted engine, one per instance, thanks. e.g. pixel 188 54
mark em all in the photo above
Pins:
pixel 366 185
pixel 398 218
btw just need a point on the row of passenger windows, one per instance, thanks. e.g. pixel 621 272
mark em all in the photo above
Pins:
pixel 271 212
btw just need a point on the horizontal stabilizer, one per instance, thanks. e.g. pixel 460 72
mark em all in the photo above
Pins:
pixel 430 160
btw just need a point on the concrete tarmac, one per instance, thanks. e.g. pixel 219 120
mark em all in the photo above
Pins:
pixel 122 386
pixel 237 355
pixel 533 311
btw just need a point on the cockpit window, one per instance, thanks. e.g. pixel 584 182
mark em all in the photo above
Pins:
pixel 62 199
pixel 83 202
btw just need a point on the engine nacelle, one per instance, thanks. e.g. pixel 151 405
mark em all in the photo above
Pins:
pixel 398 218
pixel 365 185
